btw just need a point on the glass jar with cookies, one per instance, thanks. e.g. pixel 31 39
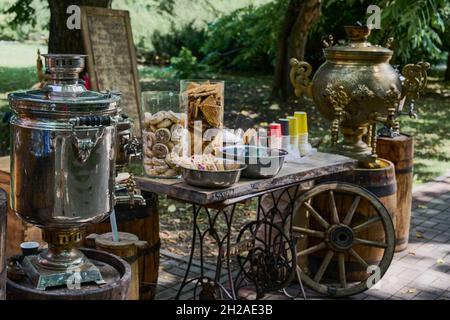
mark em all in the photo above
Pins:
pixel 163 133
pixel 203 103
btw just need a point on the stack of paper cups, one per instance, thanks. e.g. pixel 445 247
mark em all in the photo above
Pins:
pixel 262 138
pixel 275 135
pixel 304 146
pixel 285 140
pixel 292 150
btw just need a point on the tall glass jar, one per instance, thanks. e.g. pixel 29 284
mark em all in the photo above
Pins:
pixel 203 104
pixel 163 133
pixel 3 210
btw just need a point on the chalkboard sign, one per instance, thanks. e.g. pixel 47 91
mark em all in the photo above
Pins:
pixel 111 61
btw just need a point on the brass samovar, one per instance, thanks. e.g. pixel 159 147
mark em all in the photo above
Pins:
pixel 356 88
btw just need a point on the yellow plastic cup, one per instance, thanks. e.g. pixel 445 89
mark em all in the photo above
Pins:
pixel 302 121
pixel 293 126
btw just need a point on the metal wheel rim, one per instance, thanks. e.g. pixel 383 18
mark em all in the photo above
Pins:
pixel 388 228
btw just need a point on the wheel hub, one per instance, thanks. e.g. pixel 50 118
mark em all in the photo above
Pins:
pixel 340 237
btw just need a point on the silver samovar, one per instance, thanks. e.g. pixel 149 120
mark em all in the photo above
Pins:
pixel 63 152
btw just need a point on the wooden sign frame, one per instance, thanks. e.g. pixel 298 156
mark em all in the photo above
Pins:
pixel 103 66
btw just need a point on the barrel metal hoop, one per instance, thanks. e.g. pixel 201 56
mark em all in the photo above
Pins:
pixel 151 249
pixel 404 170
pixel 383 191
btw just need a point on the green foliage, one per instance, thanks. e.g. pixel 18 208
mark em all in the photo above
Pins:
pixel 186 65
pixel 167 45
pixel 246 38
pixel 24 19
pixel 415 26
pixel 23 12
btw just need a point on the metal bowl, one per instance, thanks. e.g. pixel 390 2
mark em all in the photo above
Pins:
pixel 261 162
pixel 212 179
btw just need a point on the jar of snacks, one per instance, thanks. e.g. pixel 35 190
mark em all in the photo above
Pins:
pixel 203 103
pixel 163 133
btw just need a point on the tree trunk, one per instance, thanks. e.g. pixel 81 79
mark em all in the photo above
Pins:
pixel 300 16
pixel 282 50
pixel 447 71
pixel 61 38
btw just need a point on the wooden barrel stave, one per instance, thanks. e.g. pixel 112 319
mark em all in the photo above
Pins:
pixel 400 151
pixel 3 213
pixel 142 221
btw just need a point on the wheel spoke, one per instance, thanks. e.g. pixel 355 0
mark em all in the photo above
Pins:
pixel 323 266
pixel 334 213
pixel 342 276
pixel 317 216
pixel 309 232
pixel 312 249
pixel 351 211
pixel 370 243
pixel 358 258
pixel 366 224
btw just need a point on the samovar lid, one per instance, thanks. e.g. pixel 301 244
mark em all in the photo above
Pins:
pixel 358 48
pixel 64 89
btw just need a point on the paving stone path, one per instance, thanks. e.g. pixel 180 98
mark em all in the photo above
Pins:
pixel 421 272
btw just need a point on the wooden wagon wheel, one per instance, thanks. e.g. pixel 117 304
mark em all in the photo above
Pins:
pixel 335 238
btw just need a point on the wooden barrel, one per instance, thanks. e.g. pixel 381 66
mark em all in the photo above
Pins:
pixel 115 271
pixel 400 151
pixel 3 211
pixel 382 183
pixel 128 248
pixel 142 221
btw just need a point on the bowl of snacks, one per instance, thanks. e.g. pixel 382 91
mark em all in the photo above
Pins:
pixel 207 171
pixel 261 162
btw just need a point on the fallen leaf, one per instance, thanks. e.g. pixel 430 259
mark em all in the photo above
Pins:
pixel 440 262
pixel 245 113
pixel 274 107
pixel 419 235
pixel 412 253
pixel 411 290
pixel 421 206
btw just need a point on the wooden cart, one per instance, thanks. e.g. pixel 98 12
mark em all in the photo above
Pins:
pixel 337 237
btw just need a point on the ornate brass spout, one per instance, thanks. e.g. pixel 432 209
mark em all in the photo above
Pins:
pixel 413 86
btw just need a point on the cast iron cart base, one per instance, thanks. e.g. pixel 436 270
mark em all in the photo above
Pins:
pixel 268 249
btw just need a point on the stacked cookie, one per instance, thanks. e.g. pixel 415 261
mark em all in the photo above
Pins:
pixel 163 142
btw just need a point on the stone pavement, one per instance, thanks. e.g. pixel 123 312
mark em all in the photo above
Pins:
pixel 421 272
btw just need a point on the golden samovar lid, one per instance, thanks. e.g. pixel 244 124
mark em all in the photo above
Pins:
pixel 358 48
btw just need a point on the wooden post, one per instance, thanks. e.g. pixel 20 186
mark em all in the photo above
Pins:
pixel 400 151
pixel 3 210
pixel 128 248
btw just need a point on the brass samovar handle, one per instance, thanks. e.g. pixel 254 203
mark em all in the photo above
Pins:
pixel 415 83
pixel 299 76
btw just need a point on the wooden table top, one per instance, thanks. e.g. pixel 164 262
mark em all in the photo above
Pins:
pixel 309 168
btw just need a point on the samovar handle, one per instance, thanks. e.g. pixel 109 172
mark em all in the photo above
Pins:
pixel 299 76
pixel 415 83
pixel 83 147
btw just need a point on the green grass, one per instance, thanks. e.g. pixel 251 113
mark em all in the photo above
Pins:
pixel 19 55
